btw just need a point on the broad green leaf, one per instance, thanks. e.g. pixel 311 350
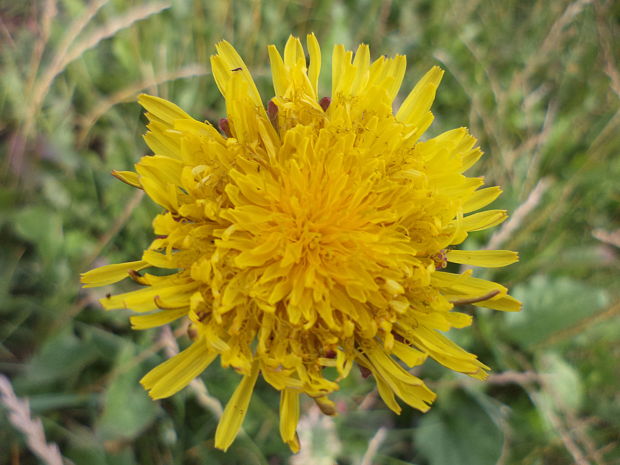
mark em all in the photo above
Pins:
pixel 562 380
pixel 44 402
pixel 551 305
pixel 62 357
pixel 460 433
pixel 42 227
pixel 127 409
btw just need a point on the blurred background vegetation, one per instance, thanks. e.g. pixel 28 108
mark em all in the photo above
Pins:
pixel 538 82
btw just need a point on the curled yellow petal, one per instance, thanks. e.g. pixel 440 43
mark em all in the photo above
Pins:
pixel 289 417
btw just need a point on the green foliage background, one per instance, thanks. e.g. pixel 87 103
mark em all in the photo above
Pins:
pixel 538 82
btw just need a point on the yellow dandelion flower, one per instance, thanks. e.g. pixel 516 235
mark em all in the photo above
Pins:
pixel 310 234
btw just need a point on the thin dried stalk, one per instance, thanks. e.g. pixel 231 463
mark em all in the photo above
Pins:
pixel 519 215
pixel 74 30
pixel 312 452
pixel 65 57
pixel 611 238
pixel 168 340
pixel 373 446
pixel 49 13
pixel 554 39
pixel 610 313
pixel 19 416
pixel 133 202
pixel 110 29
pixel 129 92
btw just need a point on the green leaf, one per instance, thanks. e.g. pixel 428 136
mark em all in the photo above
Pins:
pixel 62 357
pixel 127 408
pixel 459 432
pixel 551 305
pixel 41 226
pixel 563 381
pixel 51 401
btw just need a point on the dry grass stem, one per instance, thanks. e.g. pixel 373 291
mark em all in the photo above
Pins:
pixel 373 446
pixel 312 452
pixel 67 55
pixel 571 427
pixel 32 429
pixel 50 11
pixel 553 40
pixel 122 219
pixel 611 238
pixel 368 401
pixel 612 312
pixel 58 62
pixel 104 105
pixel 563 420
pixel 115 25
pixel 513 377
pixel 606 40
pixel 519 215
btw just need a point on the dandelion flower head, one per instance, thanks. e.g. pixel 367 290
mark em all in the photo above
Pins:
pixel 310 233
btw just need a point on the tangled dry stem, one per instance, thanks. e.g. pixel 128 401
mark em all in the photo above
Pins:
pixel 31 428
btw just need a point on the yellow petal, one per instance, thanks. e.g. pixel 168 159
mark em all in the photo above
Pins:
pixel 483 220
pixel 326 405
pixel 166 170
pixel 177 372
pixel 289 417
pixel 471 158
pixel 228 62
pixel 464 286
pixel 109 274
pixel 464 283
pixel 481 198
pixel 505 303
pixel 339 62
pixel 153 320
pixel 128 177
pixel 164 110
pixel 458 320
pixel 396 70
pixel 161 144
pixel 485 258
pixel 410 355
pixel 315 62
pixel 143 300
pixel 278 72
pixel 161 194
pixel 417 104
pixel 448 353
pixel 387 394
pixel 294 52
pixel 235 410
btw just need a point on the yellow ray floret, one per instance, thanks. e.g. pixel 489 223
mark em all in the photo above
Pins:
pixel 310 236
pixel 485 258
